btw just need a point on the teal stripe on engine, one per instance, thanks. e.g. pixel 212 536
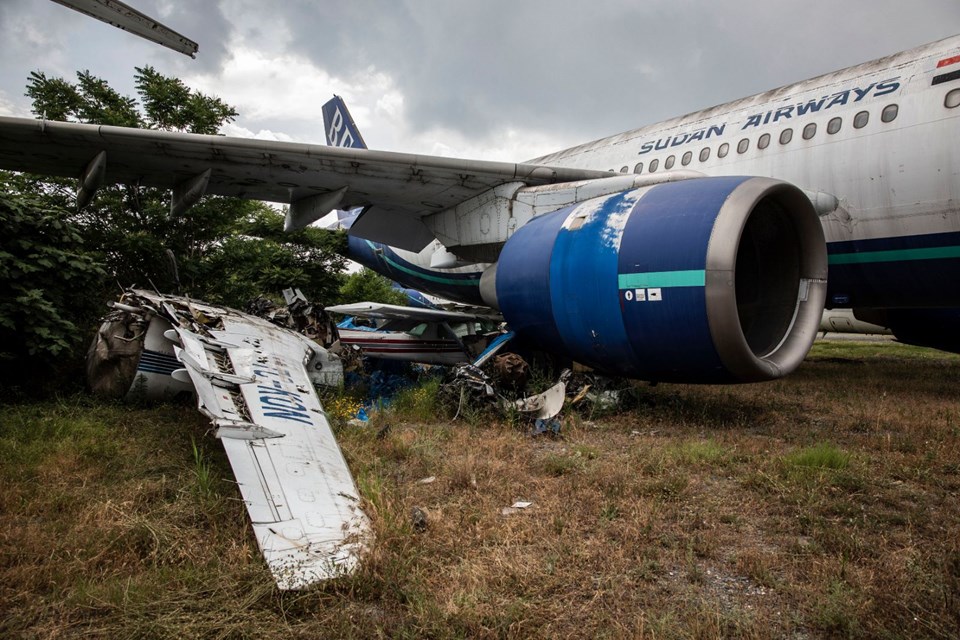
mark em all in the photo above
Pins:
pixel 663 279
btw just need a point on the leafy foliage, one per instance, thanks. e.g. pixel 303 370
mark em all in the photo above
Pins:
pixel 367 285
pixel 47 275
pixel 224 250
pixel 169 104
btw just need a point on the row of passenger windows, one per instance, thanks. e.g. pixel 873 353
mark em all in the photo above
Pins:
pixel 888 114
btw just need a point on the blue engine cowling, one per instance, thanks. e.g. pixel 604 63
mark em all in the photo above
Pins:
pixel 712 280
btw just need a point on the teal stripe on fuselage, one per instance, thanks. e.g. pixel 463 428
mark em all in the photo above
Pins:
pixel 467 280
pixel 895 255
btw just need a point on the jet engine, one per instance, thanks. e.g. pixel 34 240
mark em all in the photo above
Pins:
pixel 711 280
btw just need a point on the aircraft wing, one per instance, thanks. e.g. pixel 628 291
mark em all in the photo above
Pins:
pixel 396 312
pixel 251 380
pixel 397 189
pixel 129 19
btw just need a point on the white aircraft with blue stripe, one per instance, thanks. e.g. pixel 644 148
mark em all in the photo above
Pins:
pixel 866 144
pixel 697 249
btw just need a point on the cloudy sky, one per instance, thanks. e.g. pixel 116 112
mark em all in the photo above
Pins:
pixel 491 79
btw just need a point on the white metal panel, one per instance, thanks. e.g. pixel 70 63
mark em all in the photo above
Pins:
pixel 295 481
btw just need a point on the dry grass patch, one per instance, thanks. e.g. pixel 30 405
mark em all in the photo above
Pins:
pixel 823 505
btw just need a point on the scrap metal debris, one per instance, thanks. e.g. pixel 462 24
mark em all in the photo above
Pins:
pixel 468 383
pixel 516 507
pixel 546 427
pixel 511 370
pixel 298 314
pixel 544 405
pixel 494 385
pixel 418 519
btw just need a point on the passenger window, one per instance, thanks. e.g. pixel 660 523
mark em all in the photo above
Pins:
pixel 722 151
pixel 669 162
pixel 624 169
pixel 418 330
pixel 952 99
pixel 638 168
pixel 860 120
pixel 786 136
pixel 687 157
pixel 810 130
pixel 743 145
pixel 653 165
pixel 704 154
pixel 889 113
pixel 834 125
pixel 764 141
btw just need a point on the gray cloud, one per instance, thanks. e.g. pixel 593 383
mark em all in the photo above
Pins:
pixel 481 68
pixel 58 41
pixel 602 67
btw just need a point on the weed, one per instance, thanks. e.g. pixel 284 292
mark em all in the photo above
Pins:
pixel 610 512
pixel 585 451
pixel 835 611
pixel 205 479
pixel 342 408
pixel 419 403
pixel 559 464
pixel 820 456
pixel 699 452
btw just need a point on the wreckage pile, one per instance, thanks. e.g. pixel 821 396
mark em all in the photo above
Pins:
pixel 495 382
pixel 499 386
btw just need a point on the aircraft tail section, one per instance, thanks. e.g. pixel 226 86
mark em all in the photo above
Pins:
pixel 340 128
pixel 341 131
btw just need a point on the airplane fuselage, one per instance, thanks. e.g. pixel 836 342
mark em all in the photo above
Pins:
pixel 872 145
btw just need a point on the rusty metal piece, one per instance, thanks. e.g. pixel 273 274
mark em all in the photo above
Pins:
pixel 511 370
pixel 114 354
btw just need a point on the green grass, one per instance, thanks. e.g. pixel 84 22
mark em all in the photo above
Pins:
pixel 820 456
pixel 699 452
pixel 420 403
pixel 822 505
pixel 883 349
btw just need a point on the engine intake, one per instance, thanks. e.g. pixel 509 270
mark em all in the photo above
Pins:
pixel 711 280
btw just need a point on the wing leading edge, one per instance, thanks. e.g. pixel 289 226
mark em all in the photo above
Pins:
pixel 313 179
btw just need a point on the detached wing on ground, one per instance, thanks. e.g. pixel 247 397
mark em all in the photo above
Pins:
pixel 252 381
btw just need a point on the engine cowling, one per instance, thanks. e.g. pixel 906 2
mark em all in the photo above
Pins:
pixel 711 280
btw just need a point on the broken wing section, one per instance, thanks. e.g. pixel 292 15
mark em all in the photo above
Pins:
pixel 252 381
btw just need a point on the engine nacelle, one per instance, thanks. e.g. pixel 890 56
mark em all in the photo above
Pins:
pixel 711 280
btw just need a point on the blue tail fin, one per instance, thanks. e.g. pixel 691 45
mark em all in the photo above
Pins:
pixel 341 129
